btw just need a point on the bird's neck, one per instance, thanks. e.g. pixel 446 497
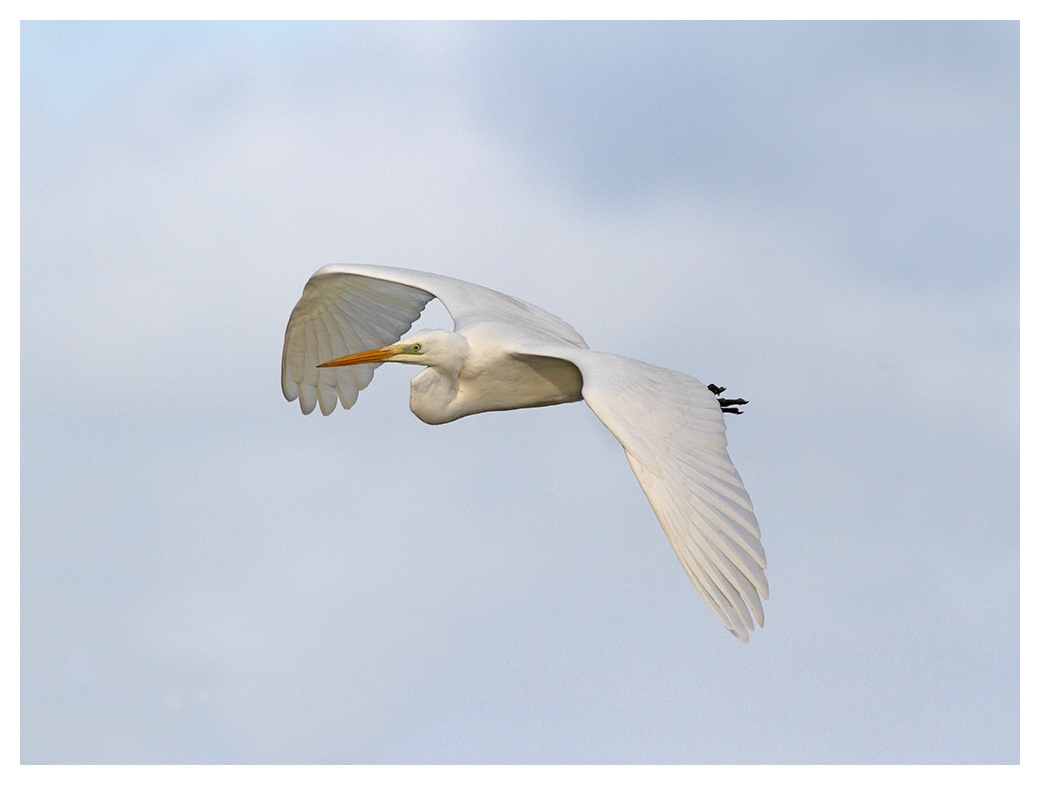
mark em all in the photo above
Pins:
pixel 434 396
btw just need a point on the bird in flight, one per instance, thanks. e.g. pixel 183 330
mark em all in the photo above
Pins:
pixel 508 354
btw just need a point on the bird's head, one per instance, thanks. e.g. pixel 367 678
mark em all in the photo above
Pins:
pixel 434 348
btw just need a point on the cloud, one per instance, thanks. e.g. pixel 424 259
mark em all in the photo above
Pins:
pixel 210 576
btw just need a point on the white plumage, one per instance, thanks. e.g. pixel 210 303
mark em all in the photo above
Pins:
pixel 508 354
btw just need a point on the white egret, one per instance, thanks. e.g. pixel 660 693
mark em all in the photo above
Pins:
pixel 507 354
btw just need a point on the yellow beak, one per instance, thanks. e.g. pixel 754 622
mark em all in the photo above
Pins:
pixel 371 356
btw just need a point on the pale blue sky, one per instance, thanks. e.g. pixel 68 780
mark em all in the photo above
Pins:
pixel 822 217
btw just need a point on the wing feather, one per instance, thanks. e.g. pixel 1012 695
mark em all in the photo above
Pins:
pixel 724 574
pixel 339 314
pixel 673 433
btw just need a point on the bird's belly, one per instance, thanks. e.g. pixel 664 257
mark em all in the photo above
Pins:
pixel 517 382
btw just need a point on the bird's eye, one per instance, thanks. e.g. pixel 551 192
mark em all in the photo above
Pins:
pixel 416 347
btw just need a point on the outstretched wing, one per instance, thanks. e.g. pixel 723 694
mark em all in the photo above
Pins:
pixel 672 430
pixel 352 308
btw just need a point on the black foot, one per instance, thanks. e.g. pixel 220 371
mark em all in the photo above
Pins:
pixel 728 405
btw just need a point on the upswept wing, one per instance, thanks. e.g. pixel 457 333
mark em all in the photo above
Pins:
pixel 346 309
pixel 672 430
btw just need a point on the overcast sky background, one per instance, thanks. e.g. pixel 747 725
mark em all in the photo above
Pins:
pixel 822 217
